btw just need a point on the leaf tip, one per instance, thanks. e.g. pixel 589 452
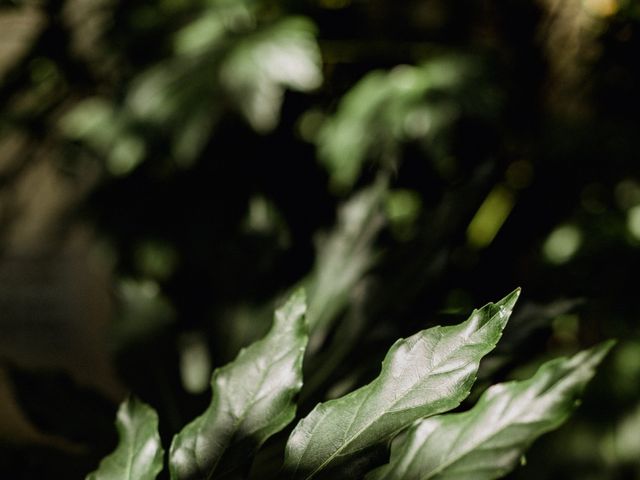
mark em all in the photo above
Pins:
pixel 505 306
pixel 297 301
pixel 510 300
pixel 294 310
pixel 597 353
pixel 497 314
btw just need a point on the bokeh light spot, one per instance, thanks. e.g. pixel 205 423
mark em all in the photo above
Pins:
pixel 562 244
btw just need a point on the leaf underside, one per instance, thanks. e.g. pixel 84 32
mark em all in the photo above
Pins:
pixel 139 453
pixel 428 373
pixel 487 441
pixel 252 400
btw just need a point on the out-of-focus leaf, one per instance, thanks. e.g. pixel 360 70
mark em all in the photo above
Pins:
pixel 487 442
pixel 252 400
pixel 92 117
pixel 626 438
pixel 257 72
pixel 95 122
pixel 518 340
pixel 139 453
pixel 344 255
pixel 183 90
pixel 426 374
pixel 143 312
pixel 225 59
pixel 532 317
pixel 220 19
pixel 407 103
pixel 336 283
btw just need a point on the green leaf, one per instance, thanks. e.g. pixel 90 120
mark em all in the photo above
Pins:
pixel 343 256
pixel 488 441
pixel 407 104
pixel 252 400
pixel 426 374
pixel 262 66
pixel 139 453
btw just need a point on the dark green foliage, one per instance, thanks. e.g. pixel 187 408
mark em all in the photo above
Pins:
pixel 488 441
pixel 252 400
pixel 426 374
pixel 422 376
pixel 182 164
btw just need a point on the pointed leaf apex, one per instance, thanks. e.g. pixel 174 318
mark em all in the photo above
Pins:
pixel 505 307
pixel 299 296
pixel 294 308
pixel 494 315
pixel 510 300
pixel 423 375
pixel 482 443
pixel 296 304
pixel 596 354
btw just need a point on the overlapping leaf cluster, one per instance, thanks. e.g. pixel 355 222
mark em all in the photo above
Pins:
pixel 402 411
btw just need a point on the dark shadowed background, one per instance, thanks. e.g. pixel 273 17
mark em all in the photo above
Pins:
pixel 170 169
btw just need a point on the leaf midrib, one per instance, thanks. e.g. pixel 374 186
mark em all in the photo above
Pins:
pixel 245 412
pixel 388 410
pixel 131 449
pixel 541 394
pixel 556 417
pixel 453 459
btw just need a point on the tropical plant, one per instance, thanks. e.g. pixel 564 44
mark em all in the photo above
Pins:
pixel 395 427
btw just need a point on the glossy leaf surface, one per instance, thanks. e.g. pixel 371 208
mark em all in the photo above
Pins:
pixel 252 400
pixel 426 374
pixel 139 453
pixel 487 442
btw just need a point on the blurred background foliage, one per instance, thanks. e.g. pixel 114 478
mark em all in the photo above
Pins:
pixel 169 170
